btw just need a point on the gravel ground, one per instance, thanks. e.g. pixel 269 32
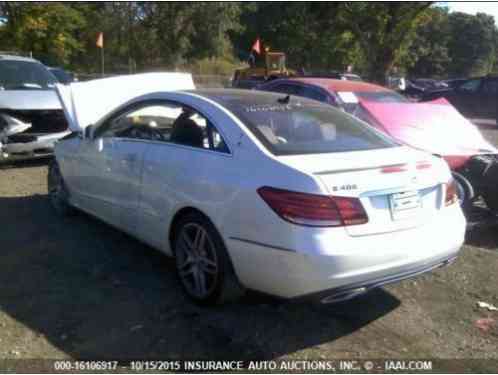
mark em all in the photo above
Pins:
pixel 77 288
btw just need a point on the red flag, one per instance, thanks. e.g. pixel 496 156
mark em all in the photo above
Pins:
pixel 257 46
pixel 100 40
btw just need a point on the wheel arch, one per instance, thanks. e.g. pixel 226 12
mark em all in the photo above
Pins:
pixel 180 213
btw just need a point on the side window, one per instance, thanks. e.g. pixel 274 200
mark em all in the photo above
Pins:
pixel 470 86
pixel 148 122
pixel 312 93
pixel 165 122
pixel 490 86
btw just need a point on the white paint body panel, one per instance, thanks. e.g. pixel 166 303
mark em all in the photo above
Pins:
pixel 268 253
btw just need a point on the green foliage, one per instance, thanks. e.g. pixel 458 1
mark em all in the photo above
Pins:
pixel 428 54
pixel 309 33
pixel 212 66
pixel 453 45
pixel 383 30
pixel 46 31
pixel 376 38
pixel 473 45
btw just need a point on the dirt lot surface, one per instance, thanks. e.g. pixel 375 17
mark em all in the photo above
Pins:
pixel 76 288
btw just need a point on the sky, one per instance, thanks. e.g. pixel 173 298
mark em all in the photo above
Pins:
pixel 473 7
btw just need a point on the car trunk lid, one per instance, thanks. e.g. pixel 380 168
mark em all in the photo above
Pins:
pixel 396 186
pixel 435 127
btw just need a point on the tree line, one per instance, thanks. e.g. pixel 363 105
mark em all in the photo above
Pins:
pixel 420 39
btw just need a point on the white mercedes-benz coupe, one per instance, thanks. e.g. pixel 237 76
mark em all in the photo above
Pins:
pixel 253 190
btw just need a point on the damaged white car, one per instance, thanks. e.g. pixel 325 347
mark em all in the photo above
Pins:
pixel 256 190
pixel 31 116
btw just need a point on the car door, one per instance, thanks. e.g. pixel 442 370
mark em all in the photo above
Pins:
pixel 489 95
pixel 91 177
pixel 128 135
pixel 191 150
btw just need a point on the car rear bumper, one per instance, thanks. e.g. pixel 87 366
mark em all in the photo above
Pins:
pixel 343 264
pixel 41 146
pixel 354 290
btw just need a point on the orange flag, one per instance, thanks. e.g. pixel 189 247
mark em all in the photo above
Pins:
pixel 256 46
pixel 100 40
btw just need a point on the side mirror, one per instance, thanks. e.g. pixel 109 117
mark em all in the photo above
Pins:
pixel 88 132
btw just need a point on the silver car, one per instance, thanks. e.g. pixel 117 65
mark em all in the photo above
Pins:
pixel 31 116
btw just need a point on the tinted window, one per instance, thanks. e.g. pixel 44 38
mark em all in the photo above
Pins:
pixel 25 75
pixel 312 93
pixel 470 86
pixel 302 126
pixel 350 100
pixel 166 123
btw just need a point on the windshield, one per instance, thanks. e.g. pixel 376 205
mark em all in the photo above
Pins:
pixel 61 75
pixel 25 75
pixel 350 101
pixel 301 126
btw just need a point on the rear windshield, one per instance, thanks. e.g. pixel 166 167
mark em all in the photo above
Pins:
pixel 382 96
pixel 302 126
pixel 25 75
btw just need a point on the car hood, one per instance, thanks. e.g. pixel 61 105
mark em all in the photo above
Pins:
pixel 436 127
pixel 85 103
pixel 29 99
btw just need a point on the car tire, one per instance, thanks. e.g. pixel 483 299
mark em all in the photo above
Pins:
pixel 57 191
pixel 465 191
pixel 491 199
pixel 202 262
pixel 490 190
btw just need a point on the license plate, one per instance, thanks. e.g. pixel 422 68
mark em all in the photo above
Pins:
pixel 405 204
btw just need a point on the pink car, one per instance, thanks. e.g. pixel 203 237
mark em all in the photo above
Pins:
pixel 436 127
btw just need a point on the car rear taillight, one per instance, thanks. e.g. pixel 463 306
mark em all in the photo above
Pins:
pixel 314 210
pixel 451 195
pixel 394 168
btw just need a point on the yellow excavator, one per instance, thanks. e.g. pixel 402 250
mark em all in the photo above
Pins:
pixel 262 68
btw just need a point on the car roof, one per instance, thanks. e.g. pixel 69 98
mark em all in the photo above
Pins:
pixel 18 58
pixel 331 84
pixel 228 97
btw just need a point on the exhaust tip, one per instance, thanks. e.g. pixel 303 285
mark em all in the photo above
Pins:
pixel 343 296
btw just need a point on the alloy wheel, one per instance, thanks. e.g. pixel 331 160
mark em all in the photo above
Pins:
pixel 197 261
